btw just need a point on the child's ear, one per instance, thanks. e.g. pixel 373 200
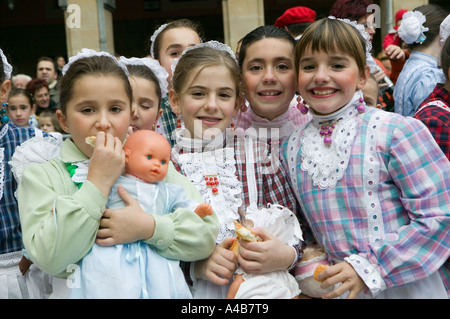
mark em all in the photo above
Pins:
pixel 4 92
pixel 363 77
pixel 174 102
pixel 62 121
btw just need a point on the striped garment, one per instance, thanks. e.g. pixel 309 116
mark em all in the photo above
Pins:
pixel 377 197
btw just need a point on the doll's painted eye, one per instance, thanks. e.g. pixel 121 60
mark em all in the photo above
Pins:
pixel 149 157
pixel 163 162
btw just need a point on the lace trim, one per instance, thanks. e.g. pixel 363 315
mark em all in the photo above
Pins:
pixel 228 200
pixel 326 164
pixel 35 150
pixel 368 274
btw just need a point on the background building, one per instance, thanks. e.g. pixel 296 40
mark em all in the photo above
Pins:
pixel 34 28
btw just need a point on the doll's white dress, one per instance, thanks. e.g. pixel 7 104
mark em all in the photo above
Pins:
pixel 135 270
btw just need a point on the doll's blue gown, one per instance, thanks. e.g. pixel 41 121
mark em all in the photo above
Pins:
pixel 135 270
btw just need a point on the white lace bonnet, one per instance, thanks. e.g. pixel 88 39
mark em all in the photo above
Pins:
pixel 153 38
pixel 412 30
pixel 154 66
pixel 369 59
pixel 7 68
pixel 444 30
pixel 87 53
pixel 216 45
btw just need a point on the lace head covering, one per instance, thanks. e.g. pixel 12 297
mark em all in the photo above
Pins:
pixel 7 68
pixel 444 31
pixel 154 66
pixel 369 59
pixel 412 30
pixel 210 44
pixel 87 53
pixel 153 38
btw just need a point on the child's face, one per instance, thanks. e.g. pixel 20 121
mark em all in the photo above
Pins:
pixel 328 81
pixel 19 110
pixel 173 43
pixel 370 92
pixel 99 103
pixel 209 102
pixel 45 124
pixel 149 160
pixel 269 76
pixel 146 109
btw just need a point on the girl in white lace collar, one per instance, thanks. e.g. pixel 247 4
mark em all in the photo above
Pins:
pixel 269 82
pixel 206 92
pixel 369 195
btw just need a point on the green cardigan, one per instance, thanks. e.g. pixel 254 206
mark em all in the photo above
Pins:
pixel 55 242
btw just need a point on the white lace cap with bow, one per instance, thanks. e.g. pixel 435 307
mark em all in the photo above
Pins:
pixel 216 45
pixel 369 59
pixel 444 30
pixel 88 53
pixel 154 66
pixel 7 68
pixel 412 30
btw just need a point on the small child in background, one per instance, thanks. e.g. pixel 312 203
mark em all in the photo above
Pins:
pixel 371 92
pixel 48 122
pixel 20 107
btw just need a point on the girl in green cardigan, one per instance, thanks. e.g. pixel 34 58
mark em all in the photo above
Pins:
pixel 62 202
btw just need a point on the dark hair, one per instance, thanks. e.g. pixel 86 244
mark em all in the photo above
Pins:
pixel 434 15
pixel 36 84
pixel 55 122
pixel 181 23
pixel 298 28
pixel 16 91
pixel 260 33
pixel 445 58
pixel 330 35
pixel 95 65
pixel 350 9
pixel 145 72
pixel 46 58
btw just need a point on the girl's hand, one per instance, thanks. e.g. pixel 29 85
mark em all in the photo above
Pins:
pixel 267 256
pixel 343 273
pixel 107 162
pixel 125 225
pixel 220 266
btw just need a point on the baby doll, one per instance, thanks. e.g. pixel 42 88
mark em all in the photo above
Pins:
pixel 284 225
pixel 136 270
pixel 314 259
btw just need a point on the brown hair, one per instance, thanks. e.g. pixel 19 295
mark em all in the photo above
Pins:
pixel 330 35
pixel 181 23
pixel 95 65
pixel 445 58
pixel 146 73
pixel 200 58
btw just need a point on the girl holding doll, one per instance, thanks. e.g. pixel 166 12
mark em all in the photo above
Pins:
pixel 63 201
pixel 373 185
pixel 236 173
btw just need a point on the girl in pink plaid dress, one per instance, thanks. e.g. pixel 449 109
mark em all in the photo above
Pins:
pixel 235 172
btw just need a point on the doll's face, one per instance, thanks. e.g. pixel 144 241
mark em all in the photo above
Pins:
pixel 147 156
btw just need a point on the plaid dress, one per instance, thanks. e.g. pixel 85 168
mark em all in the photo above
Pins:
pixel 434 112
pixel 384 205
pixel 167 122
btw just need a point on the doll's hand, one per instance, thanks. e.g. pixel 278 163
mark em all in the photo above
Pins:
pixel 343 273
pixel 220 266
pixel 125 225
pixel 107 162
pixel 267 256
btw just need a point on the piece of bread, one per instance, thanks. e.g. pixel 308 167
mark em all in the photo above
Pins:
pixel 90 140
pixel 318 270
pixel 245 233
pixel 235 247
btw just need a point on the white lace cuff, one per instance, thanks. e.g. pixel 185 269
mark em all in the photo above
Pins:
pixel 368 274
